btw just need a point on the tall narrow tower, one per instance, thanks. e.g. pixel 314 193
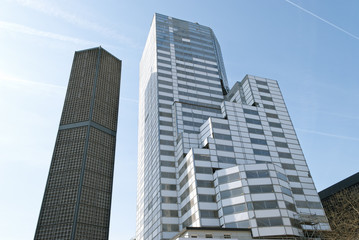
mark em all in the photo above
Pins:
pixel 77 198
pixel 213 158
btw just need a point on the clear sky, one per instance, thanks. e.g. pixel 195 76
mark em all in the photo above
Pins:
pixel 310 47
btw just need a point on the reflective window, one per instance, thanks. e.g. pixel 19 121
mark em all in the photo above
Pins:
pixel 261 152
pixel 228 178
pixel 269 222
pixel 261 189
pixel 231 193
pixel 234 209
pixel 257 174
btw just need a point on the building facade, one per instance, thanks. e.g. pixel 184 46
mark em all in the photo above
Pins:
pixel 341 205
pixel 210 157
pixel 77 198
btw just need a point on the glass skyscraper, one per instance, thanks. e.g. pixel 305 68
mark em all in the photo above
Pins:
pixel 210 157
pixel 77 198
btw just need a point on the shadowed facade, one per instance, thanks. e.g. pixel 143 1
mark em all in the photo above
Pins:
pixel 77 198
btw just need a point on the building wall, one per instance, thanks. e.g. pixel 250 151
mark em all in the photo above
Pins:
pixel 77 198
pixel 194 131
pixel 341 205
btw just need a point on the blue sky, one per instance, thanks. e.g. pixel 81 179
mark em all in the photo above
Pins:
pixel 310 47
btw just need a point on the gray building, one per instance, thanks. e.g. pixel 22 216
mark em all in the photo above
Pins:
pixel 77 198
pixel 210 158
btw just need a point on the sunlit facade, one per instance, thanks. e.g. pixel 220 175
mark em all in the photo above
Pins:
pixel 209 156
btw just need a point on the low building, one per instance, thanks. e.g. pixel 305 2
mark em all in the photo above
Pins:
pixel 341 204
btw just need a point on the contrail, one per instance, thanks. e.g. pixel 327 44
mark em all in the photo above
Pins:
pixel 35 32
pixel 16 80
pixel 50 9
pixel 322 19
pixel 328 134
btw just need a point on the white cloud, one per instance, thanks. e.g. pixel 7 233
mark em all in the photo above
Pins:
pixel 14 80
pixel 35 32
pixel 52 10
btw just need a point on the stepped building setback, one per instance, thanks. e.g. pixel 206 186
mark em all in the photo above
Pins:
pixel 77 198
pixel 212 158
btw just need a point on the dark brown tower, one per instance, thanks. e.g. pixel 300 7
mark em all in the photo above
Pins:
pixel 77 198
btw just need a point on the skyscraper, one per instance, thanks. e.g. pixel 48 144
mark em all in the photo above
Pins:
pixel 77 198
pixel 210 157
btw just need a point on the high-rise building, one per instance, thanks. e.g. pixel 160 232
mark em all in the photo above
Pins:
pixel 210 158
pixel 77 198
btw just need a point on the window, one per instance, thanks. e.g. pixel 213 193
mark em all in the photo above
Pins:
pixel 166 142
pixel 249 111
pixel 266 98
pixel 209 214
pixel 277 134
pixel 290 206
pixel 273 124
pixel 169 213
pixel 207 198
pixel 226 160
pixel 297 190
pixel 167 164
pixel 288 166
pixel 167 153
pixel 165 98
pixel 164 132
pixel 202 157
pixel 292 178
pixel 263 90
pixel 209 236
pixel 224 148
pixel 261 189
pixel 258 141
pixel 281 144
pixel 204 170
pixel 220 125
pixel 255 131
pixel 205 183
pixel 308 204
pixel 261 152
pixel 234 209
pixel 168 175
pixel 222 136
pixel 271 115
pixel 171 187
pixel 257 174
pixel 231 193
pixel 286 191
pixel 228 178
pixel 282 176
pixel 284 155
pixel 165 114
pixel 269 222
pixel 170 228
pixel 295 223
pixel 253 121
pixel 269 106
pixel 261 83
pixel 260 205
pixel 169 199
pixel 241 224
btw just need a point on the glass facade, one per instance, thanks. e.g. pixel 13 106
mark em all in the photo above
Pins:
pixel 205 152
